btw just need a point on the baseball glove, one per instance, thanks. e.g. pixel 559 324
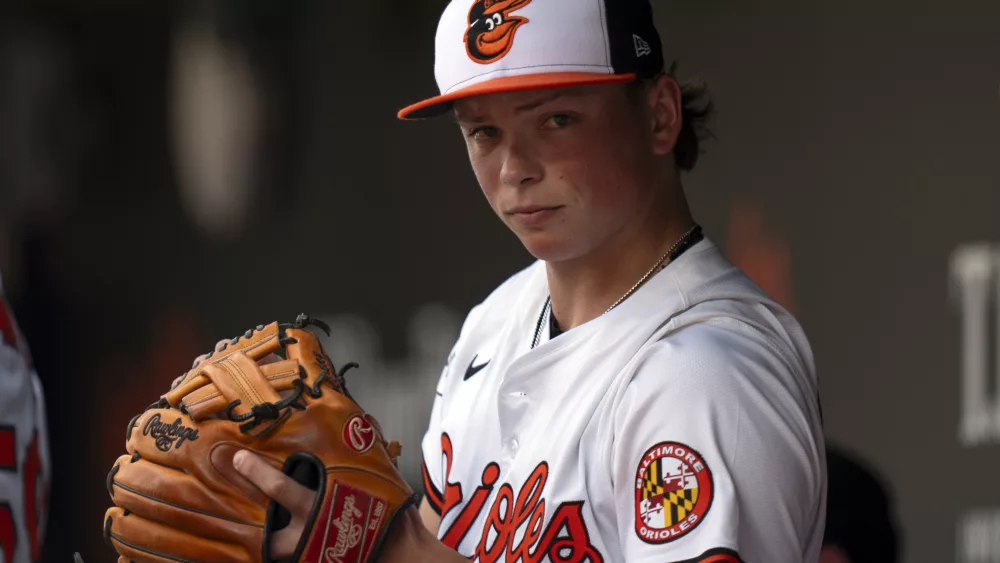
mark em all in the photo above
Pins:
pixel 273 391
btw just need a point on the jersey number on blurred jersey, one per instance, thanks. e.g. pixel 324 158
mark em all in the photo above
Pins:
pixel 31 473
pixel 565 538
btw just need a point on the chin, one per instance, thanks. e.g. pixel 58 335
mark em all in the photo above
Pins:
pixel 549 248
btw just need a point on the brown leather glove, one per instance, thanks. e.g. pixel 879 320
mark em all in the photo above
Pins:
pixel 178 497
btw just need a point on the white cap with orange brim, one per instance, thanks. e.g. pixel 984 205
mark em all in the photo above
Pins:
pixel 492 46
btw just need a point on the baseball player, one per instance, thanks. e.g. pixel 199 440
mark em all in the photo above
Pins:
pixel 24 452
pixel 631 396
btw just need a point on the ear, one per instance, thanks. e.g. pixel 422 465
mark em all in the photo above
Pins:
pixel 665 112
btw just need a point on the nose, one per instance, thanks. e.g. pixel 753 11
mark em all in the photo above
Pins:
pixel 520 166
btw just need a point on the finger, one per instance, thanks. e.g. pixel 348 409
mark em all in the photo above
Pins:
pixel 296 498
pixel 286 541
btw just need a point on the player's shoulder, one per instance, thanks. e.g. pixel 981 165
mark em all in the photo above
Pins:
pixel 735 361
pixel 731 340
pixel 728 318
pixel 707 352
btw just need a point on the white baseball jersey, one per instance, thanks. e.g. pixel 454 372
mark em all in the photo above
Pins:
pixel 682 426
pixel 24 452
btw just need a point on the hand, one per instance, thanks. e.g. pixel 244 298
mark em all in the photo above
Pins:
pixel 408 539
pixel 196 505
pixel 287 492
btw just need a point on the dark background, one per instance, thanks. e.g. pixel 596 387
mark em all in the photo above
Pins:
pixel 857 148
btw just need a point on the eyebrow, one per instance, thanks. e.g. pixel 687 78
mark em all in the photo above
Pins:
pixel 519 109
pixel 458 118
pixel 538 103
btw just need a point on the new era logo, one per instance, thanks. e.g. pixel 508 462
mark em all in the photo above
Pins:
pixel 641 47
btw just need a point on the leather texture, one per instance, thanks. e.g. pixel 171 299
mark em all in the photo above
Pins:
pixel 274 391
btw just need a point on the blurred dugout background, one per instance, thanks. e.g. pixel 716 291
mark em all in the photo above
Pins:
pixel 175 172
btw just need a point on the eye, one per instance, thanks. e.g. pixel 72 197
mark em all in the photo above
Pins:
pixel 493 21
pixel 484 133
pixel 559 121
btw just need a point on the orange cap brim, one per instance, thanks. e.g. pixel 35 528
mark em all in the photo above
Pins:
pixel 438 105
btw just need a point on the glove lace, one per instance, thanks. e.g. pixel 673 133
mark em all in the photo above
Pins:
pixel 271 411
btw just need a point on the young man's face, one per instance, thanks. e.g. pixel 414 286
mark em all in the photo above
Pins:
pixel 565 169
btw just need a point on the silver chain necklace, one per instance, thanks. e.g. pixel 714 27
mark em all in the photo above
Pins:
pixel 676 250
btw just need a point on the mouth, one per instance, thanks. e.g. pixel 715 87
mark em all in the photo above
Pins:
pixel 531 209
pixel 534 216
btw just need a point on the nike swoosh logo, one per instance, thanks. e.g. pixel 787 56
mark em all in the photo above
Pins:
pixel 474 369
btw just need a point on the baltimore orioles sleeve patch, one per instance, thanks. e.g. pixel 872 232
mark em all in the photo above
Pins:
pixel 673 493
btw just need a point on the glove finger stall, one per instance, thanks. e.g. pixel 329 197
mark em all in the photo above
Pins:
pixel 149 490
pixel 140 539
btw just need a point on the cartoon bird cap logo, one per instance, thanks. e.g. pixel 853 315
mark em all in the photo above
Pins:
pixel 491 29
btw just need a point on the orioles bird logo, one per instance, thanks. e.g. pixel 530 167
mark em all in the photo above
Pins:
pixel 491 29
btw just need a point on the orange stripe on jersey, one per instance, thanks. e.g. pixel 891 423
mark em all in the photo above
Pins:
pixel 433 496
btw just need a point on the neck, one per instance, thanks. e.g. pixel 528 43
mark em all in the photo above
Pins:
pixel 583 288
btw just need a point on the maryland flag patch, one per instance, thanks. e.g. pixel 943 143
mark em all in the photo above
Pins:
pixel 673 492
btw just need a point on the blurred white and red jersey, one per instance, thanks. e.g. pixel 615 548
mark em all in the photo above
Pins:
pixel 24 452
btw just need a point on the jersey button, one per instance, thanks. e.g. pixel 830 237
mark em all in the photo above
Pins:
pixel 513 444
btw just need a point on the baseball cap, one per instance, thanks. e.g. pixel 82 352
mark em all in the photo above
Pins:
pixel 492 46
